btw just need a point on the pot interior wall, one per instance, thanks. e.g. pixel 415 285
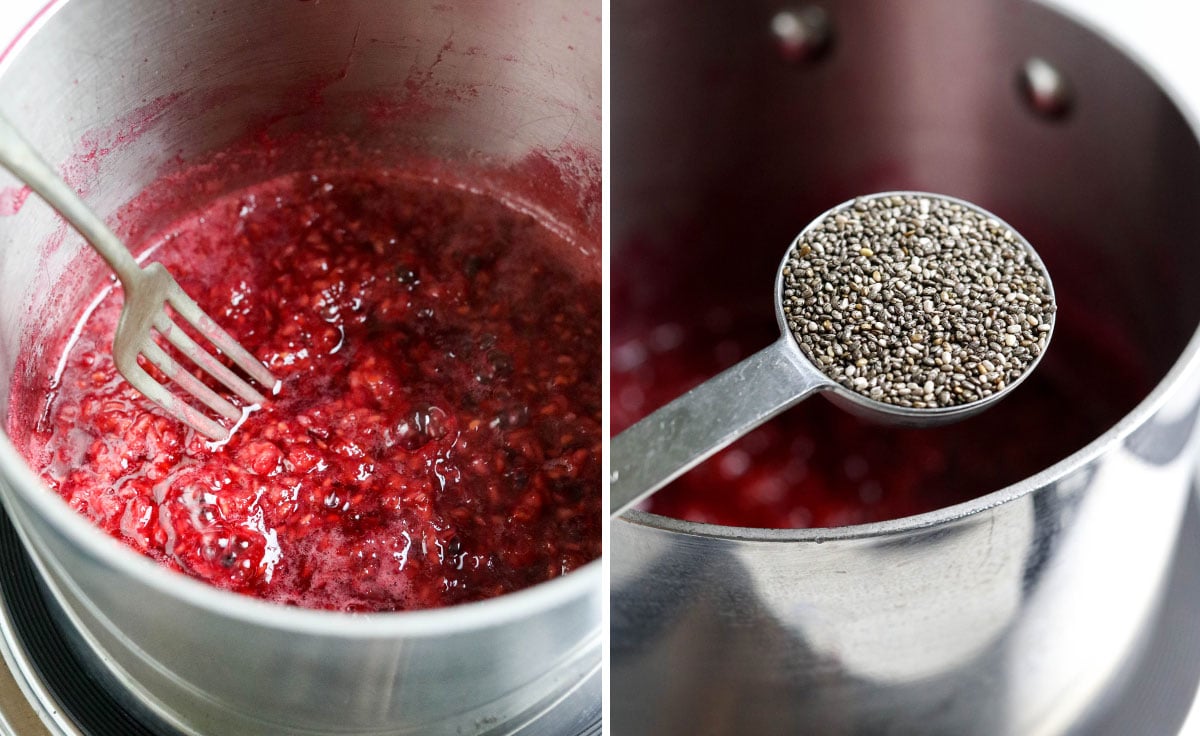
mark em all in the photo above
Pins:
pixel 134 103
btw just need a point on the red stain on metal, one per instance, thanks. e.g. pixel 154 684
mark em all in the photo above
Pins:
pixel 82 168
pixel 12 199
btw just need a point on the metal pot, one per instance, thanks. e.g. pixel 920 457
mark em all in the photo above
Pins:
pixel 735 124
pixel 118 91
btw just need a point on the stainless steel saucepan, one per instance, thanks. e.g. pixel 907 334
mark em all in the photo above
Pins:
pixel 732 125
pixel 119 93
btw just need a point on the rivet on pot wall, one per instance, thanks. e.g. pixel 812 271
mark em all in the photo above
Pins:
pixel 802 34
pixel 1044 89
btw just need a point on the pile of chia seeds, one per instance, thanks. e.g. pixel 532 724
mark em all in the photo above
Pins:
pixel 917 301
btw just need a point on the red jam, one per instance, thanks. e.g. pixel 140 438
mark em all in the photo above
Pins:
pixel 436 436
pixel 817 466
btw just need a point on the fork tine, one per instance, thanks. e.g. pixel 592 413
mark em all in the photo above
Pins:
pixel 175 406
pixel 191 312
pixel 206 360
pixel 188 382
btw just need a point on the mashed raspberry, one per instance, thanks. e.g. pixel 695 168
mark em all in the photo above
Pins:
pixel 436 438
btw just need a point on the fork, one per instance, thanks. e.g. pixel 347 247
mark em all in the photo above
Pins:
pixel 147 292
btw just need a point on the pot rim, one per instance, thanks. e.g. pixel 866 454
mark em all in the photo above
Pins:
pixel 17 478
pixel 1188 359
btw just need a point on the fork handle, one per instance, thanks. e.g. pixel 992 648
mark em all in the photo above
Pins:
pixel 23 161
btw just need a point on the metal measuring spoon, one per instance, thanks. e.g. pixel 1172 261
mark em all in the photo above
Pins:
pixel 688 430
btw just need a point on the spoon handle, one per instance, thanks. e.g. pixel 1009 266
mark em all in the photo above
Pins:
pixel 685 432
pixel 23 161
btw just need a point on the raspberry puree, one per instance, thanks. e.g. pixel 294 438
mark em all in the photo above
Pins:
pixel 436 438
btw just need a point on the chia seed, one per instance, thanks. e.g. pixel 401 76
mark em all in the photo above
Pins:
pixel 916 301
